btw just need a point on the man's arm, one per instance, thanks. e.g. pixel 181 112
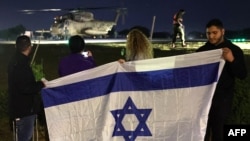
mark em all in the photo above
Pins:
pixel 236 62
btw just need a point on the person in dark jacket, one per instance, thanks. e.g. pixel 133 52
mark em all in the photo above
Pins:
pixel 78 60
pixel 23 89
pixel 234 68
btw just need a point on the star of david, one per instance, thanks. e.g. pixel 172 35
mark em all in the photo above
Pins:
pixel 141 115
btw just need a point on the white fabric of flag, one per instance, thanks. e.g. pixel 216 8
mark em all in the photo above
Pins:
pixel 161 99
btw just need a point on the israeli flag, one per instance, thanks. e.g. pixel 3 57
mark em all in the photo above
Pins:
pixel 162 99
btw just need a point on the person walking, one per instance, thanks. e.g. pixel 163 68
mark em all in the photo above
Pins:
pixel 178 28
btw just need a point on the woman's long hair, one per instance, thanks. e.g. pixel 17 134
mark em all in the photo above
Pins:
pixel 138 46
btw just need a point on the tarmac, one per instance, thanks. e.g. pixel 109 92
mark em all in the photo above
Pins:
pixel 190 43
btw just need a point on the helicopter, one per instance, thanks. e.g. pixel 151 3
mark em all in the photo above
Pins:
pixel 80 22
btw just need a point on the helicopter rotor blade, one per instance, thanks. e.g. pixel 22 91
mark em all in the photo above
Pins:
pixel 90 8
pixel 32 11
pixel 122 12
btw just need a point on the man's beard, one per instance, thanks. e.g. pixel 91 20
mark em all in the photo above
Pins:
pixel 217 41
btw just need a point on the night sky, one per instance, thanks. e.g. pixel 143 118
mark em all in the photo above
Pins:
pixel 234 14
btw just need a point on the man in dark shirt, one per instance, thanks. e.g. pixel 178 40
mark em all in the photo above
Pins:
pixel 78 60
pixel 234 68
pixel 23 89
pixel 178 28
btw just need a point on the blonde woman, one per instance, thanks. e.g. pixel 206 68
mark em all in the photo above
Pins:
pixel 138 46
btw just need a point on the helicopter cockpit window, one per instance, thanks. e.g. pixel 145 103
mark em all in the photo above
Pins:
pixel 83 16
pixel 69 16
pixel 57 20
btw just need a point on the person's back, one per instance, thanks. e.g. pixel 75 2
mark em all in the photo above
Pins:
pixel 23 89
pixel 138 47
pixel 76 61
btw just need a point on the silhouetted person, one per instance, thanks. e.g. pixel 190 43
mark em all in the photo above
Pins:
pixel 23 89
pixel 178 28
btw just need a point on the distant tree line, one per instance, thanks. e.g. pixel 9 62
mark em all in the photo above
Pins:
pixel 245 33
pixel 12 33
pixel 145 30
pixel 230 34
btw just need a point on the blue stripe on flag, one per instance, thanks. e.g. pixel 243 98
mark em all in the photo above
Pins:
pixel 132 81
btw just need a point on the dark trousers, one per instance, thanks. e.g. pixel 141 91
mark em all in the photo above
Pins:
pixel 177 29
pixel 25 127
pixel 218 115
